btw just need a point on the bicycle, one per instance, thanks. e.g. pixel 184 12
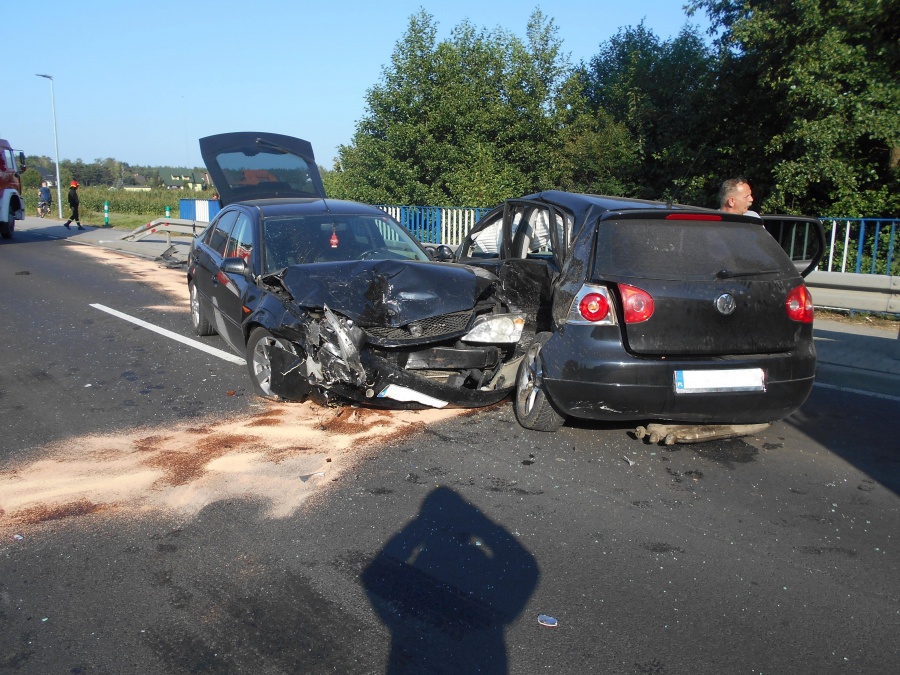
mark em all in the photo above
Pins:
pixel 43 209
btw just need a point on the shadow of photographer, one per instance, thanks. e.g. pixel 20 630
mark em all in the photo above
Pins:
pixel 446 586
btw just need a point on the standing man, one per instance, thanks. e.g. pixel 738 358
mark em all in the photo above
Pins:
pixel 73 202
pixel 735 196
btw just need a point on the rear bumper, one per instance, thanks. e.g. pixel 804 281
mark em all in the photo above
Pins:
pixel 588 374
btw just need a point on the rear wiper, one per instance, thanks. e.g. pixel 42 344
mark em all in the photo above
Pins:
pixel 730 274
pixel 269 144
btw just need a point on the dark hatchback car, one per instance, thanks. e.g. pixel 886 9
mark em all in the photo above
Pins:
pixel 328 298
pixel 640 310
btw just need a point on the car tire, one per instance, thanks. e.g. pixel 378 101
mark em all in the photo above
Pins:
pixel 202 327
pixel 531 404
pixel 7 228
pixel 259 361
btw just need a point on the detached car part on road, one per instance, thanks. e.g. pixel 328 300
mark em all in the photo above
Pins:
pixel 329 298
pixel 649 311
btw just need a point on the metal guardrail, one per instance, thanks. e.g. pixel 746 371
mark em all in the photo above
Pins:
pixel 856 292
pixel 166 226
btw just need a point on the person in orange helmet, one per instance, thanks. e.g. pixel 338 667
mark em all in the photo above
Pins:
pixel 73 202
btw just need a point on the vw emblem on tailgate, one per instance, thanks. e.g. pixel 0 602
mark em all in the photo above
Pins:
pixel 726 304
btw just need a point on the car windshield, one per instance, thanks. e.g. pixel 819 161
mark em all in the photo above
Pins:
pixel 661 249
pixel 300 240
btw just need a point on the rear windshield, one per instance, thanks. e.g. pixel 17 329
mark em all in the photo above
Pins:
pixel 272 169
pixel 678 249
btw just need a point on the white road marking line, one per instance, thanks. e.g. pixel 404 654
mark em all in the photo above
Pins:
pixel 227 356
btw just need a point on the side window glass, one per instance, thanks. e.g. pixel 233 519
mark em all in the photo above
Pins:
pixel 240 243
pixel 218 234
pixel 486 244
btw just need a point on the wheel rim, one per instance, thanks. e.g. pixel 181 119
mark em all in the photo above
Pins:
pixel 530 380
pixel 195 306
pixel 262 365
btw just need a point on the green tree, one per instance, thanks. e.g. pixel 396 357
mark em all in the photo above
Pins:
pixel 828 70
pixel 661 94
pixel 468 120
pixel 31 179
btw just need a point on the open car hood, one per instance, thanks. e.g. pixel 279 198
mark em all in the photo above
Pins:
pixel 386 292
pixel 252 165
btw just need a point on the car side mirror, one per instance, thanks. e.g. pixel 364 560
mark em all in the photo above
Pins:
pixel 21 161
pixel 442 253
pixel 234 266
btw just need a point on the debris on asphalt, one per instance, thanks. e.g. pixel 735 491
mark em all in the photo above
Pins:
pixel 18 537
pixel 630 461
pixel 307 476
pixel 546 620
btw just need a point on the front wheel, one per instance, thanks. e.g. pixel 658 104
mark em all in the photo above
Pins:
pixel 531 404
pixel 259 361
pixel 7 228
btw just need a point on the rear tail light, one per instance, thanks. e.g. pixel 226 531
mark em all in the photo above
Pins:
pixel 592 306
pixel 637 304
pixel 799 305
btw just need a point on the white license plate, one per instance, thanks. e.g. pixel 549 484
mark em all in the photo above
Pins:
pixel 709 381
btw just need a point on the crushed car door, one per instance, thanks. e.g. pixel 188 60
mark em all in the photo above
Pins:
pixel 802 238
pixel 524 243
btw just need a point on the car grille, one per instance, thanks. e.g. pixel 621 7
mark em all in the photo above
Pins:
pixel 432 327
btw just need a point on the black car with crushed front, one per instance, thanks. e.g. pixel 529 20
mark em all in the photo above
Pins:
pixel 640 310
pixel 328 298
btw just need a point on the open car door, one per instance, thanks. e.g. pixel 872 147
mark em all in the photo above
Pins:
pixel 801 237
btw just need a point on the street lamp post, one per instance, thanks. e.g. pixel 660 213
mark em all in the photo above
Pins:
pixel 56 145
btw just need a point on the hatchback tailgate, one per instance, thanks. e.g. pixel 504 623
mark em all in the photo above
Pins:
pixel 718 287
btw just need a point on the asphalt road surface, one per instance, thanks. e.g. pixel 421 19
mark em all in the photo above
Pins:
pixel 436 550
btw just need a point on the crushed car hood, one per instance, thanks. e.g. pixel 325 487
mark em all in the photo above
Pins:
pixel 387 292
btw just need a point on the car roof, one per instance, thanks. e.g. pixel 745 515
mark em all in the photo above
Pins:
pixel 577 202
pixel 273 208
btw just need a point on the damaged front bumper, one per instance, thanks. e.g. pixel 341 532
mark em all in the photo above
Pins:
pixel 333 360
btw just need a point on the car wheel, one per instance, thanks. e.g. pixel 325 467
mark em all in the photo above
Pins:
pixel 7 228
pixel 531 404
pixel 259 361
pixel 201 325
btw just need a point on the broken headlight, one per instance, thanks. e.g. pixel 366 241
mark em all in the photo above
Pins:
pixel 496 329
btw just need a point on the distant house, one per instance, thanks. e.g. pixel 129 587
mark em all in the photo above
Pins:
pixel 176 180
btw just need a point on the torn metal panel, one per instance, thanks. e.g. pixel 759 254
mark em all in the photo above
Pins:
pixel 387 293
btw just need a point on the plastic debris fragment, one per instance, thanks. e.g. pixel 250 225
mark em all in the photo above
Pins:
pixel 630 461
pixel 546 620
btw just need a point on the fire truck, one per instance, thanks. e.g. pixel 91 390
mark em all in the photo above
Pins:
pixel 12 203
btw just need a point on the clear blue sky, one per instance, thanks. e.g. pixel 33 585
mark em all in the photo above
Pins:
pixel 142 81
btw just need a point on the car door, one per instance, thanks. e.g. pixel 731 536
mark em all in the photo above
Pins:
pixel 801 237
pixel 231 288
pixel 208 255
pixel 524 243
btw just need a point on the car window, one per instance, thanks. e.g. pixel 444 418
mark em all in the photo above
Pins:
pixel 217 236
pixel 334 238
pixel 665 249
pixel 240 243
pixel 486 243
